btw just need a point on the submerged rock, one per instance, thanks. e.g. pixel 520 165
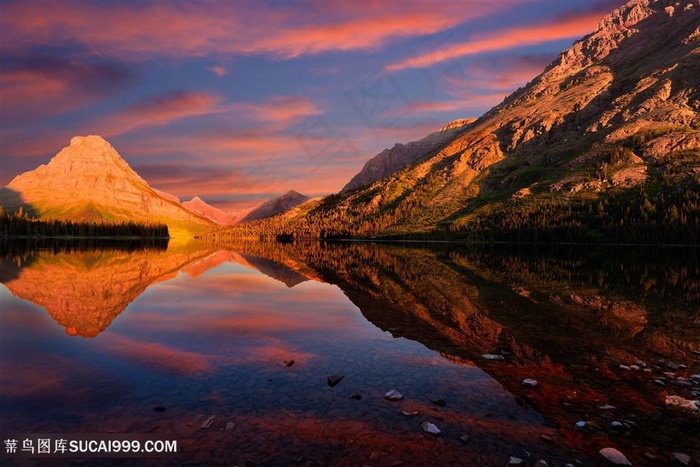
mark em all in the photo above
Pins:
pixel 333 380
pixel 393 395
pixel 687 404
pixel 439 402
pixel 206 424
pixel 491 356
pixel 357 397
pixel 430 428
pixel 530 382
pixel 159 409
pixel 681 458
pixel 288 363
pixel 614 456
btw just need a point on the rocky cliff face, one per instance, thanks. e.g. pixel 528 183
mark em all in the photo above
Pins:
pixel 390 161
pixel 277 205
pixel 89 181
pixel 617 110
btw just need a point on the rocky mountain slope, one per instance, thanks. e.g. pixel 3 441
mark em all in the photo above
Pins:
pixel 89 181
pixel 199 207
pixel 609 132
pixel 392 160
pixel 277 205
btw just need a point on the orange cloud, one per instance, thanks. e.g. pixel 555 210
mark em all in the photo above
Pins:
pixel 562 28
pixel 159 110
pixel 148 29
pixel 278 109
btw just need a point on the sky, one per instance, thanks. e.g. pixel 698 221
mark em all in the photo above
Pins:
pixel 238 102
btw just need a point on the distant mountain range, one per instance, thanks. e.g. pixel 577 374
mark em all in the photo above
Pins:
pixel 603 145
pixel 90 181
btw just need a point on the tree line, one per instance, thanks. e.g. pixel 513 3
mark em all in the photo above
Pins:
pixel 21 225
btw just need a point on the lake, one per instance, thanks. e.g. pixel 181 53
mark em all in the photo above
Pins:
pixel 158 338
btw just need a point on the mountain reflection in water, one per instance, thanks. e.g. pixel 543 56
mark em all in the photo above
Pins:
pixel 596 328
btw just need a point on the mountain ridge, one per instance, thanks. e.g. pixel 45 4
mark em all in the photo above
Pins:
pixel 618 111
pixel 89 181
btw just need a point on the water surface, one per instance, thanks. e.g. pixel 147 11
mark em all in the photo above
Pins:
pixel 92 340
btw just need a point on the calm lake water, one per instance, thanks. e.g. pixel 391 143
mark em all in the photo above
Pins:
pixel 94 338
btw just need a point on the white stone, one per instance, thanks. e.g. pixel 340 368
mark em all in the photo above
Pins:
pixel 393 395
pixel 530 382
pixel 490 356
pixel 430 428
pixel 581 424
pixel 514 461
pixel 614 456
pixel 607 407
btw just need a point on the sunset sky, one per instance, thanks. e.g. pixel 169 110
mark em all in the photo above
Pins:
pixel 238 102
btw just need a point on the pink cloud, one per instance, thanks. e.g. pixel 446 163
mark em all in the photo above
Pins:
pixel 32 87
pixel 148 29
pixel 159 110
pixel 571 26
pixel 278 109
pixel 218 70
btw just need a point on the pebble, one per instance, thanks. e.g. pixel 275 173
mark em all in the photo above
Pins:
pixel 229 426
pixel 393 395
pixel 490 356
pixel 680 458
pixel 288 363
pixel 683 403
pixel 409 413
pixel 581 424
pixel 464 439
pixel 616 424
pixel 206 424
pixel 514 461
pixel 430 428
pixel 682 367
pixel 658 382
pixel 546 439
pixel 530 382
pixel 541 463
pixel 682 382
pixel 696 377
pixel 672 366
pixel 333 380
pixel 640 363
pixel 624 367
pixel 634 367
pixel 614 456
pixel 696 352
pixel 607 407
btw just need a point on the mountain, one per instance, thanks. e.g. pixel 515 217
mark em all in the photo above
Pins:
pixel 89 181
pixel 392 160
pixel 197 206
pixel 277 205
pixel 602 146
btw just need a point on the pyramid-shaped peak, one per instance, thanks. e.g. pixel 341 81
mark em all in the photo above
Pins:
pixel 92 141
